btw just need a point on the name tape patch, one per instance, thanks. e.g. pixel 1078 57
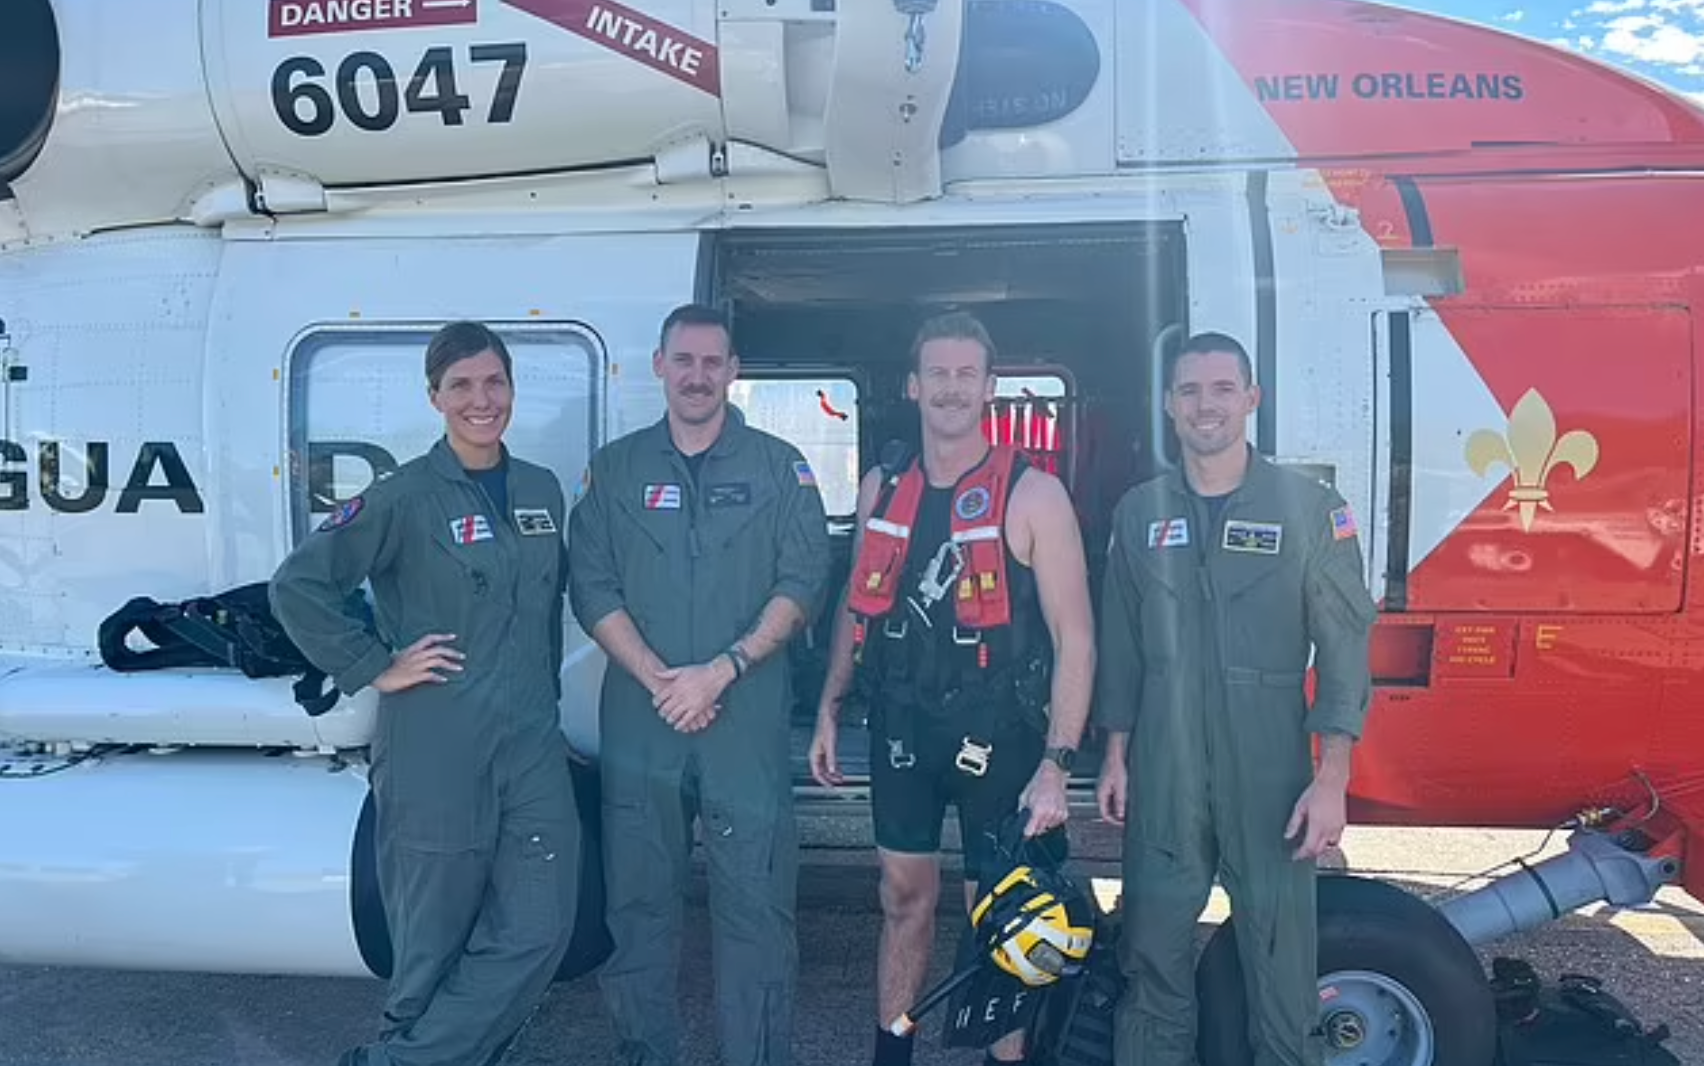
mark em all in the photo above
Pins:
pixel 1260 538
pixel 732 494
pixel 534 521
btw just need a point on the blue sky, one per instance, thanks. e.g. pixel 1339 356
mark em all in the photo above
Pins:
pixel 1661 39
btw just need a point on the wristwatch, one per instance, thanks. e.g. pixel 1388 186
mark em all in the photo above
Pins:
pixel 738 658
pixel 1060 757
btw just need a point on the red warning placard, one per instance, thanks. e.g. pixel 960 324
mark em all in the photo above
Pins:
pixel 299 18
pixel 635 35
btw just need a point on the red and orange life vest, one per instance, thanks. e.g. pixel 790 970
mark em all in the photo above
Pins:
pixel 981 596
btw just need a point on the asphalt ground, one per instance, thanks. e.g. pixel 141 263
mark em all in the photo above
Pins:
pixel 1651 957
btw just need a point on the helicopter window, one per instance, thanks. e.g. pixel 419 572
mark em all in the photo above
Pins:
pixel 817 415
pixel 359 408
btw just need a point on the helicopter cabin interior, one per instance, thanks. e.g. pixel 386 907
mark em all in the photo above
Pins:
pixel 824 324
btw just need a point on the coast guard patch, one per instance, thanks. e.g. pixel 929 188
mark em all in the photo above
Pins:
pixel 471 528
pixel 1168 533
pixel 662 497
pixel 344 514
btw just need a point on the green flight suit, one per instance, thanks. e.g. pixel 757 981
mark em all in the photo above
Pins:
pixel 693 561
pixel 478 834
pixel 1204 646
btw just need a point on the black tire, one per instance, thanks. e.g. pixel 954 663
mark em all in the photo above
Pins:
pixel 1375 927
pixel 590 943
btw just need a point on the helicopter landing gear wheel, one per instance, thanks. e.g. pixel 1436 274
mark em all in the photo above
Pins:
pixel 1398 985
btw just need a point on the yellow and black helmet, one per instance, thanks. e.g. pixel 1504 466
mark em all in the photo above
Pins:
pixel 1036 925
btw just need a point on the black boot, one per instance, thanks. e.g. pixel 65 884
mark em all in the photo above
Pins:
pixel 893 1050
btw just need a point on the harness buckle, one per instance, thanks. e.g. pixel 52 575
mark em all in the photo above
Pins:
pixel 973 757
pixel 889 632
pixel 960 637
pixel 898 757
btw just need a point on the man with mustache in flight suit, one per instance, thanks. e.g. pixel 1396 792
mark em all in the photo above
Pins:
pixel 698 551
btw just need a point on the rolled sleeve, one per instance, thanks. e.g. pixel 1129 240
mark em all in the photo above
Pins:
pixel 594 577
pixel 802 569
pixel 313 588
pixel 364 670
pixel 1119 666
pixel 1340 617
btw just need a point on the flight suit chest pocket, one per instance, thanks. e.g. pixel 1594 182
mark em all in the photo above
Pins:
pixel 1255 563
pixel 730 508
pixel 541 545
pixel 469 560
pixel 653 516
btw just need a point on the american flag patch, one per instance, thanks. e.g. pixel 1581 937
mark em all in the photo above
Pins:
pixel 662 497
pixel 803 470
pixel 1342 523
pixel 469 529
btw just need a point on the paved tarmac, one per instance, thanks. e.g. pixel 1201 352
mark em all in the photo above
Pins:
pixel 1652 957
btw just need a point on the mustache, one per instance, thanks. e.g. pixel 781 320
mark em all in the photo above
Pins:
pixel 950 401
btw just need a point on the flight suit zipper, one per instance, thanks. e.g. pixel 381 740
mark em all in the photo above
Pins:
pixel 506 534
pixel 694 546
pixel 1207 628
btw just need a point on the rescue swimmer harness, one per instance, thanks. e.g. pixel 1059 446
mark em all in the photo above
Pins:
pixel 1010 677
pixel 233 629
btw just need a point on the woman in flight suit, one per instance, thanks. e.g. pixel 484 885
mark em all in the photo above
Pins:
pixel 478 836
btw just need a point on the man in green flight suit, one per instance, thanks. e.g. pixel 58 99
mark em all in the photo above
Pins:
pixel 699 549
pixel 478 835
pixel 1220 578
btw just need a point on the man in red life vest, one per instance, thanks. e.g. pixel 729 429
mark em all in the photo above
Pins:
pixel 966 625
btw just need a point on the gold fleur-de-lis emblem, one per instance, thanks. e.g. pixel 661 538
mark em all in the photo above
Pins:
pixel 1531 451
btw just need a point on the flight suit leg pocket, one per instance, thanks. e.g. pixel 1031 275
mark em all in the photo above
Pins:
pixel 751 864
pixel 541 868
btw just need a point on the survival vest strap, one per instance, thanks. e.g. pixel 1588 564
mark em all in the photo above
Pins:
pixel 993 672
pixel 234 629
pixel 980 588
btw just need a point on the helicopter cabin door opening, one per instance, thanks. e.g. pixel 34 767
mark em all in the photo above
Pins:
pixel 825 322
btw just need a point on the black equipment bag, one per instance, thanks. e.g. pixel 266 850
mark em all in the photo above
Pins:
pixel 233 629
pixel 1573 1022
pixel 994 1003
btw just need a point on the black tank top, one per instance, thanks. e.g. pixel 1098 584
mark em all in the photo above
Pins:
pixel 935 673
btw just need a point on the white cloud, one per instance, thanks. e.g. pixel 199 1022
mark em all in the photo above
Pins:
pixel 1514 16
pixel 1651 40
pixel 1613 7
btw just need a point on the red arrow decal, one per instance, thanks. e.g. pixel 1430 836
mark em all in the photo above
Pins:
pixel 635 35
